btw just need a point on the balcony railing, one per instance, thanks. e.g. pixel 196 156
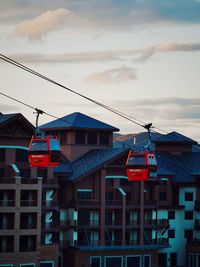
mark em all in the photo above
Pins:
pixel 87 243
pixel 7 225
pixel 28 203
pixel 131 242
pixel 49 204
pixel 113 202
pixel 113 242
pixel 88 223
pixel 84 202
pixel 5 180
pixel 113 222
pixel 7 203
pixel 28 225
pixel 132 223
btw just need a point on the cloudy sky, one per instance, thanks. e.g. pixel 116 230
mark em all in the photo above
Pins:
pixel 141 57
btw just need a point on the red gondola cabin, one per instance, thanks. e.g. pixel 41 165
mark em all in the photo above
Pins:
pixel 141 165
pixel 44 151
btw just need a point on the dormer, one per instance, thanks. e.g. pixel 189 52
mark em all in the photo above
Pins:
pixel 174 143
pixel 79 133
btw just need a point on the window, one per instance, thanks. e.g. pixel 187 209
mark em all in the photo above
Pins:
pixel 171 214
pixel 188 215
pixel 95 261
pixel 92 138
pixel 147 260
pixel 21 155
pixel 2 154
pixel 84 195
pixel 80 137
pixel 133 261
pixel 171 233
pixel 114 261
pixel 2 172
pixel 27 243
pixel 63 138
pixel 173 259
pixel 188 234
pixel 109 196
pixel 103 138
pixel 162 196
pixel 191 260
pixel 188 196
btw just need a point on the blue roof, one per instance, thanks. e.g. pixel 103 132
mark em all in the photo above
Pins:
pixel 183 167
pixel 77 120
pixel 6 117
pixel 174 137
pixel 90 162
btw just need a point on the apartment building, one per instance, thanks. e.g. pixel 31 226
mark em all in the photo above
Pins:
pixel 87 206
pixel 26 200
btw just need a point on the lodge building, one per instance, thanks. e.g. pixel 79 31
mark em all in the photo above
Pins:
pixel 84 212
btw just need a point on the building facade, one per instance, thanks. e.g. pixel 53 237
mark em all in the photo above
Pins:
pixel 85 212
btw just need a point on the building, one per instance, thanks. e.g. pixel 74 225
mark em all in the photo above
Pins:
pixel 26 200
pixel 87 206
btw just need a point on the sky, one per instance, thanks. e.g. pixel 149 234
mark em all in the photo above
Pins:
pixel 141 57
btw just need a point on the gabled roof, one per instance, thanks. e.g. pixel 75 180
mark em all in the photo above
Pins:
pixel 77 120
pixel 174 137
pixel 8 118
pixel 90 162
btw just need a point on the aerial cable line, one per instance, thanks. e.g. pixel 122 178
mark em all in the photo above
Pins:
pixel 119 113
pixel 19 65
pixel 55 117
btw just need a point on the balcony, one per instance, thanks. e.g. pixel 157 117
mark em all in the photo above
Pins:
pixel 7 225
pixel 113 223
pixel 6 180
pixel 90 203
pixel 50 204
pixel 114 203
pixel 131 242
pixel 7 203
pixel 87 243
pixel 113 242
pixel 88 223
pixel 132 224
pixel 28 203
pixel 50 227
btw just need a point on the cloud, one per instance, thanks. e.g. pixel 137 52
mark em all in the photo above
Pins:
pixel 46 22
pixel 162 108
pixel 148 52
pixel 116 75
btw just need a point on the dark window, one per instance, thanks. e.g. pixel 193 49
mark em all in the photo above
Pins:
pixel 84 217
pixel 2 154
pixel 171 214
pixel 114 262
pixel 147 262
pixel 124 182
pixel 188 234
pixel 28 220
pixel 2 172
pixel 21 155
pixel 133 261
pixel 104 138
pixel 27 243
pixel 162 259
pixel 6 243
pixel 80 137
pixel 188 196
pixel 188 215
pixel 95 262
pixel 92 138
pixel 84 195
pixel 162 196
pixel 171 233
pixel 173 259
pixel 109 196
pixel 41 172
pixel 27 265
pixel 63 138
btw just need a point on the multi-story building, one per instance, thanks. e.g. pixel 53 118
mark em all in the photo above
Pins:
pixel 87 205
pixel 26 196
